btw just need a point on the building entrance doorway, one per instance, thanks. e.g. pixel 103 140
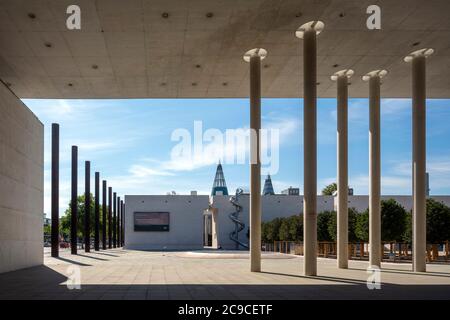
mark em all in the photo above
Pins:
pixel 207 230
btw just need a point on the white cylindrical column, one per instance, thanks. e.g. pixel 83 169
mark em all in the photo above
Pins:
pixel 308 32
pixel 255 56
pixel 342 165
pixel 419 156
pixel 374 79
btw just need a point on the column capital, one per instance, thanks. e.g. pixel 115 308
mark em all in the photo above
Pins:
pixel 375 73
pixel 425 52
pixel 342 73
pixel 256 52
pixel 315 25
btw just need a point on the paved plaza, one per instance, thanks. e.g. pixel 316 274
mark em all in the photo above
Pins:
pixel 125 274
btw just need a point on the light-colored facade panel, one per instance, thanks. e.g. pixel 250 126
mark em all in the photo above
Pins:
pixel 21 184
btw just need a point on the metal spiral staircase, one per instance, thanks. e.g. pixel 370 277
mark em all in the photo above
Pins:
pixel 238 224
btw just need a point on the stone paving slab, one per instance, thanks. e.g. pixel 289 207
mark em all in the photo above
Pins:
pixel 126 274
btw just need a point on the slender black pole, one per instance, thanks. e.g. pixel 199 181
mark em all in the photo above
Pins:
pixel 114 220
pixel 87 207
pixel 109 217
pixel 97 212
pixel 118 222
pixel 123 222
pixel 55 190
pixel 104 208
pixel 74 203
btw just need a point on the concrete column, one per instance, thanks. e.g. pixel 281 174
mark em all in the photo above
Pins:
pixel 104 209
pixel 342 165
pixel 97 212
pixel 374 79
pixel 419 156
pixel 114 220
pixel 87 207
pixel 214 228
pixel 55 191
pixel 73 203
pixel 118 222
pixel 110 217
pixel 308 32
pixel 255 56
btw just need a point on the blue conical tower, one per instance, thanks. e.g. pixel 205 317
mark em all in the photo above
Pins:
pixel 268 188
pixel 219 186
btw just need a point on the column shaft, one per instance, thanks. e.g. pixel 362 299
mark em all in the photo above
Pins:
pixel 87 207
pixel 109 217
pixel 255 166
pixel 104 220
pixel 374 172
pixel 310 153
pixel 114 220
pixel 118 222
pixel 342 172
pixel 97 212
pixel 419 163
pixel 74 203
pixel 55 191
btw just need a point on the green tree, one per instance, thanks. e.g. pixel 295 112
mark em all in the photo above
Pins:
pixel 296 227
pixel 66 219
pixel 438 221
pixel 329 189
pixel 47 230
pixel 323 221
pixel 393 220
pixel 272 229
pixel 283 231
pixel 352 223
pixel 407 235
pixel 362 226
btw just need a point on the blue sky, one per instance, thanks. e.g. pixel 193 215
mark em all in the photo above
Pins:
pixel 129 142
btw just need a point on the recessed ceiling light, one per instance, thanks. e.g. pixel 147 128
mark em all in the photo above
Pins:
pixel 198 66
pixel 342 14
pixel 94 66
pixel 335 65
pixel 162 84
pixel 209 15
pixel 70 84
pixel 224 84
pixel 48 44
pixel 416 43
pixel 266 66
pixel 194 84
pixel 298 14
pixel 31 15
pixel 317 83
pixel 165 15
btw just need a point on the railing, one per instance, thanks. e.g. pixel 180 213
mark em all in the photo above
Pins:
pixel 391 251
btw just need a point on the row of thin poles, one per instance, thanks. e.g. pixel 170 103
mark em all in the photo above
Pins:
pixel 113 207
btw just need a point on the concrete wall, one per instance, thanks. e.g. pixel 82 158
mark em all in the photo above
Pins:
pixel 186 222
pixel 21 184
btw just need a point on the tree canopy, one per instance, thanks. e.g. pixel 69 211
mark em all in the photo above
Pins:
pixel 329 189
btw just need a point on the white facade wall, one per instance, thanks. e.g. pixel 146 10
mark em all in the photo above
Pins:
pixel 186 216
pixel 186 222
pixel 21 184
